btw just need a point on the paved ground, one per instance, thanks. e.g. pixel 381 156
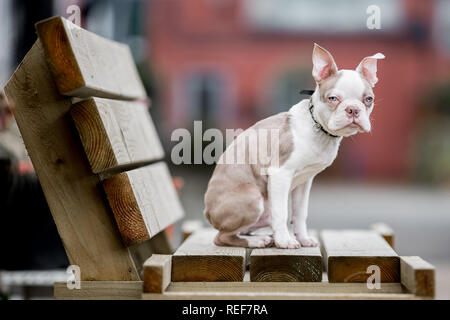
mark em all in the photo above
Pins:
pixel 420 216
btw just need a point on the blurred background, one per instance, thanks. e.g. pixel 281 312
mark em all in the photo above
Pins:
pixel 231 63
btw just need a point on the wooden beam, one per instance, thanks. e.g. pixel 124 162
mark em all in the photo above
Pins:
pixel 116 134
pixel 74 194
pixel 199 259
pixel 385 231
pixel 157 271
pixel 85 64
pixel 99 290
pixel 417 276
pixel 287 287
pixel 349 253
pixel 120 290
pixel 169 295
pixel 277 291
pixel 144 202
pixel 281 265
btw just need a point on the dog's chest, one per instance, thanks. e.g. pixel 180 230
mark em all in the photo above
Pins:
pixel 309 169
pixel 311 155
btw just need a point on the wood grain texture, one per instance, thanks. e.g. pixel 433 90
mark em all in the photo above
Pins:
pixel 100 290
pixel 349 253
pixel 116 133
pixel 144 202
pixel 169 295
pixel 157 272
pixel 286 265
pixel 199 259
pixel 385 231
pixel 277 291
pixel 121 290
pixel 85 64
pixel 74 194
pixel 418 276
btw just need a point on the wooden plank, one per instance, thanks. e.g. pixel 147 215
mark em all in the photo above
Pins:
pixel 73 192
pixel 349 253
pixel 277 291
pixel 116 133
pixel 99 290
pixel 107 290
pixel 288 287
pixel 85 64
pixel 144 202
pixel 385 231
pixel 417 276
pixel 281 265
pixel 157 271
pixel 276 296
pixel 199 259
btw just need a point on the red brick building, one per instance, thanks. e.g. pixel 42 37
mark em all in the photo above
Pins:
pixel 234 62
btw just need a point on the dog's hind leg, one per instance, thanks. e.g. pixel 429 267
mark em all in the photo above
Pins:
pixel 238 211
pixel 227 239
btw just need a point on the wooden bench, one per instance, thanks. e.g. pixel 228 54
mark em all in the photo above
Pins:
pixel 82 112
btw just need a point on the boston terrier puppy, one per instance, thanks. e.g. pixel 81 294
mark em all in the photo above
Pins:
pixel 240 198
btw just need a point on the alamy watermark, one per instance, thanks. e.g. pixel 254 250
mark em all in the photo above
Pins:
pixel 74 278
pixel 252 146
pixel 374 280
pixel 374 19
pixel 74 13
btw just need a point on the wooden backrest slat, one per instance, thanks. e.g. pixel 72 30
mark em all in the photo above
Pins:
pixel 144 202
pixel 116 133
pixel 84 64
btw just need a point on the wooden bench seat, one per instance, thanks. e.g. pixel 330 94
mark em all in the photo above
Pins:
pixel 416 281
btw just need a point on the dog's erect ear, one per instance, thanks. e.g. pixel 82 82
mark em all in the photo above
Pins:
pixel 368 68
pixel 323 64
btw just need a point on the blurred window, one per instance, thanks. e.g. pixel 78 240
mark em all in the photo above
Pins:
pixel 205 96
pixel 287 87
pixel 123 21
pixel 6 36
pixel 327 16
pixel 442 24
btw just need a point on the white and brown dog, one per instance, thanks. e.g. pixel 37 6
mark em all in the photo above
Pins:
pixel 240 199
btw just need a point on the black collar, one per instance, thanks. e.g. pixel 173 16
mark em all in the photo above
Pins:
pixel 317 125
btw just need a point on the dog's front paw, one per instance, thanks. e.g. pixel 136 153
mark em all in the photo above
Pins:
pixel 286 242
pixel 308 241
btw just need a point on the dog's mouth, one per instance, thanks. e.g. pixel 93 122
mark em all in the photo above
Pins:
pixel 349 126
pixel 354 125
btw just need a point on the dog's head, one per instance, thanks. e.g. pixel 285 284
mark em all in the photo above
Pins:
pixel 343 99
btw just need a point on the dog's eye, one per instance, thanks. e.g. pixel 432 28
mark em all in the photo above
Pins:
pixel 332 99
pixel 369 99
